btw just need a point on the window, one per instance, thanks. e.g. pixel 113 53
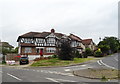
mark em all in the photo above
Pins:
pixel 50 50
pixel 28 50
pixel 50 40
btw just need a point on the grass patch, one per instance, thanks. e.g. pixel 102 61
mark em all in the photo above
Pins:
pixel 57 62
pixel 103 74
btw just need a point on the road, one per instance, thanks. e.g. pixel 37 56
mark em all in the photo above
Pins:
pixel 56 75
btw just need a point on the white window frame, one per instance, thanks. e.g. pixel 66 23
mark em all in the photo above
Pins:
pixel 50 50
pixel 28 50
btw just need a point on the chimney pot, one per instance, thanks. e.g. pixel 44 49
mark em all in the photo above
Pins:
pixel 52 31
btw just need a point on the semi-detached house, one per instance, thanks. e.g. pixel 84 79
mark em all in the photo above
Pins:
pixel 32 43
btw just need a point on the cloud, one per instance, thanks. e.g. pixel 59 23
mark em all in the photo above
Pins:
pixel 85 18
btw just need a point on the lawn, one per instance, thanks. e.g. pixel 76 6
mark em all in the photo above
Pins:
pixel 57 62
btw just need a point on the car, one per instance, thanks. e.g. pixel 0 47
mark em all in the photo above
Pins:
pixel 24 60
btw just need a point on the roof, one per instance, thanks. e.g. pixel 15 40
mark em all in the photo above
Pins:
pixel 87 41
pixel 38 34
pixel 74 37
pixel 6 44
pixel 27 44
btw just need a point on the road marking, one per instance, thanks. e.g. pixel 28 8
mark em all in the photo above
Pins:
pixel 52 80
pixel 38 71
pixel 58 73
pixel 83 65
pixel 107 65
pixel 67 69
pixel 33 70
pixel 60 80
pixel 65 80
pixel 116 58
pixel 14 77
pixel 99 62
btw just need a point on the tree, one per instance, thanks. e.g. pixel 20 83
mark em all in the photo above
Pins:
pixel 14 50
pixel 88 51
pixel 111 42
pixel 104 48
pixel 98 53
pixel 65 50
pixel 77 54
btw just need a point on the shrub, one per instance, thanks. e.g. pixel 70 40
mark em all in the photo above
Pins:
pixel 78 55
pixel 98 53
pixel 54 56
pixel 88 51
pixel 85 55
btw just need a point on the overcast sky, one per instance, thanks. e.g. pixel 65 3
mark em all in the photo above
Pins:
pixel 84 18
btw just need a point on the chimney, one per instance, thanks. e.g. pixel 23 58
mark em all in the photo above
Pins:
pixel 52 31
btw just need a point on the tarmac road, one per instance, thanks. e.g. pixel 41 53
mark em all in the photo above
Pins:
pixel 56 75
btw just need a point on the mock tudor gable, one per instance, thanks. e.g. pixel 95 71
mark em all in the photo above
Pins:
pixel 32 42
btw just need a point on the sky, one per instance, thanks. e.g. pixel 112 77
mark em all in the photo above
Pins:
pixel 84 18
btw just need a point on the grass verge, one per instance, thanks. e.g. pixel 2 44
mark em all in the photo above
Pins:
pixel 57 62
pixel 98 73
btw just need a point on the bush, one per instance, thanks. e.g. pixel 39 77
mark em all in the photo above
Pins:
pixel 54 56
pixel 78 55
pixel 88 52
pixel 98 53
pixel 85 55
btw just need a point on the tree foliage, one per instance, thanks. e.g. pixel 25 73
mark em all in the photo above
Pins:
pixel 98 53
pixel 65 51
pixel 104 48
pixel 109 43
pixel 88 51
pixel 78 55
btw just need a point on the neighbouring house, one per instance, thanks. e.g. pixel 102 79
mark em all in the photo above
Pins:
pixel 88 43
pixel 6 45
pixel 76 42
pixel 32 43
pixel 5 48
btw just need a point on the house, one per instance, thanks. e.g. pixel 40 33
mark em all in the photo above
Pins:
pixel 32 43
pixel 76 42
pixel 88 43
pixel 6 45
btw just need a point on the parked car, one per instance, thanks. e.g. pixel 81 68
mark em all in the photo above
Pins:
pixel 24 60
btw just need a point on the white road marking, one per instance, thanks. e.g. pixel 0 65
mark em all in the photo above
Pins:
pixel 65 80
pixel 1 72
pixel 52 80
pixel 14 77
pixel 83 65
pixel 38 71
pixel 33 70
pixel 59 73
pixel 67 69
pixel 116 58
pixel 107 65
pixel 99 62
pixel 60 80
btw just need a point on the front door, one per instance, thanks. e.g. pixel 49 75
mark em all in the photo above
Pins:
pixel 41 52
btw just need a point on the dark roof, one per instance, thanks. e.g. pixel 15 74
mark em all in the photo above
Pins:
pixel 30 34
pixel 87 41
pixel 38 34
pixel 43 34
pixel 74 37
pixel 27 44
pixel 6 44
